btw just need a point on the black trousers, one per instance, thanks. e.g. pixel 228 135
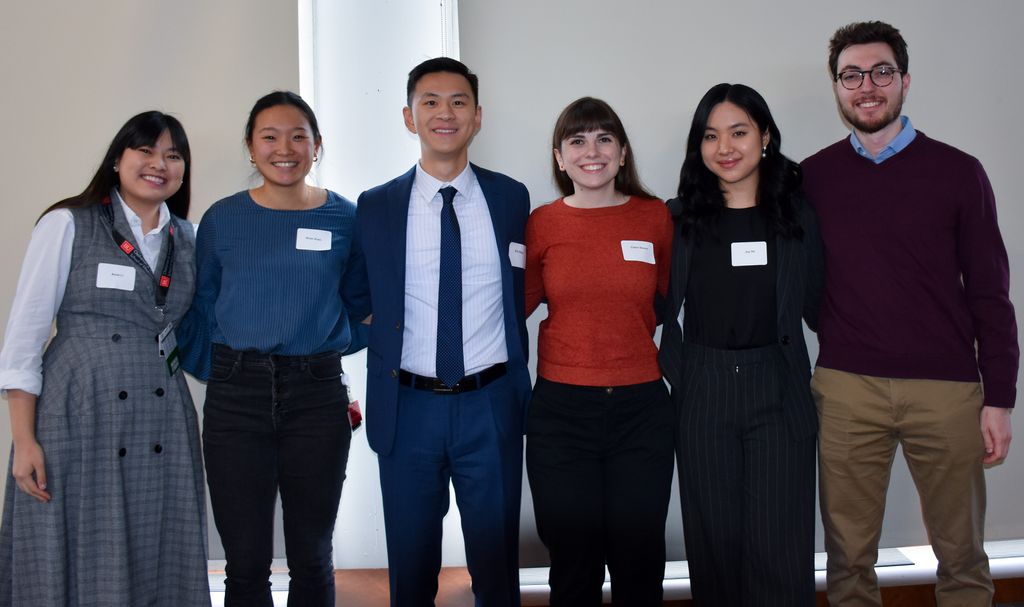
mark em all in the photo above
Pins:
pixel 276 423
pixel 599 462
pixel 746 486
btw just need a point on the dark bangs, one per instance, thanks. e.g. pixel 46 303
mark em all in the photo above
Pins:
pixel 583 116
pixel 143 130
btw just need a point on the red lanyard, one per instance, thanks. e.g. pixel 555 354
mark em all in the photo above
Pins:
pixel 163 284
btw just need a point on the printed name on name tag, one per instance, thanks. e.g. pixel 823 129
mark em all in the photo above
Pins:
pixel 750 253
pixel 638 250
pixel 113 276
pixel 308 239
pixel 517 254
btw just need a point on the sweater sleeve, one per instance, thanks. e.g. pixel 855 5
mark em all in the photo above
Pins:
pixel 195 331
pixel 986 276
pixel 664 250
pixel 534 261
pixel 663 255
pixel 355 294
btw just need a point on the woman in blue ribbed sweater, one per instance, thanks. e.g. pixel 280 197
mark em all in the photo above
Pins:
pixel 281 290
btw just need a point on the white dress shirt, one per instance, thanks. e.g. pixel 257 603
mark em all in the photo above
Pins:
pixel 483 319
pixel 44 275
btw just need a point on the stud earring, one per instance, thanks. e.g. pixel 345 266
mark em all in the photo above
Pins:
pixel 315 157
pixel 115 167
pixel 764 152
pixel 251 161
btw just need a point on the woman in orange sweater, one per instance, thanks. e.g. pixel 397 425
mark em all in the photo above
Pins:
pixel 600 432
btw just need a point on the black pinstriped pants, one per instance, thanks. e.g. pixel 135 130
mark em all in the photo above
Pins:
pixel 746 487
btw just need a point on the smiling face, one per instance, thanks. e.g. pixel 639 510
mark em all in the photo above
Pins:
pixel 282 145
pixel 445 116
pixel 591 160
pixel 870 108
pixel 731 146
pixel 150 174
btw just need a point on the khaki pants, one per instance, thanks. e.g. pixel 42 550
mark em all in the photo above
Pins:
pixel 936 423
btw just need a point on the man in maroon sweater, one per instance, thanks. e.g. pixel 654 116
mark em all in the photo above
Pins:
pixel 916 312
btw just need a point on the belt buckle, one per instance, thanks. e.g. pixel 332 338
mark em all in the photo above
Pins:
pixel 444 389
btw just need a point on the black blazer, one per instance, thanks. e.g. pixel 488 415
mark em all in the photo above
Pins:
pixel 800 279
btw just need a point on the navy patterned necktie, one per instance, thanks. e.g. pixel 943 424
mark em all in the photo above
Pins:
pixel 450 360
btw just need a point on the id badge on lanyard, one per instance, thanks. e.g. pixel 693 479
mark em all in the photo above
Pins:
pixel 167 344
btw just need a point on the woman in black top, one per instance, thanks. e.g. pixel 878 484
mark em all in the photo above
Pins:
pixel 746 269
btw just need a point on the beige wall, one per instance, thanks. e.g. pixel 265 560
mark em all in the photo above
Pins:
pixel 73 72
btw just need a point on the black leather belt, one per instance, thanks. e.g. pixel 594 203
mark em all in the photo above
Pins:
pixel 466 384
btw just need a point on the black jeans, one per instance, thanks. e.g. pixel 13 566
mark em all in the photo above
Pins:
pixel 276 423
pixel 599 461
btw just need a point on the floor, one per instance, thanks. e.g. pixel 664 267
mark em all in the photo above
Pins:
pixel 906 575
pixel 369 588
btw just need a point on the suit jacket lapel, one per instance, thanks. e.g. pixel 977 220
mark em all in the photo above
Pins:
pixel 680 277
pixel 670 355
pixel 497 210
pixel 785 274
pixel 398 219
pixel 501 220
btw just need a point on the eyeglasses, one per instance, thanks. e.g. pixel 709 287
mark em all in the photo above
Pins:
pixel 881 75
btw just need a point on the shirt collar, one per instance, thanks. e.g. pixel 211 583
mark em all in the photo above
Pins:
pixel 135 222
pixel 427 185
pixel 897 145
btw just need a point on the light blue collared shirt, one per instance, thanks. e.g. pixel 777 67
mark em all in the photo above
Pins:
pixel 897 145
pixel 483 324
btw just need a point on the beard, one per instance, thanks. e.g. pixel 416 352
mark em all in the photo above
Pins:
pixel 876 124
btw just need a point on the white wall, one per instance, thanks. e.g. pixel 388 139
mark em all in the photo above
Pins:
pixel 653 60
pixel 359 95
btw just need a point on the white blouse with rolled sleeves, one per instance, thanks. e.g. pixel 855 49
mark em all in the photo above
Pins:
pixel 40 290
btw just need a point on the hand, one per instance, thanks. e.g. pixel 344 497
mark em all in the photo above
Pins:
pixel 29 471
pixel 997 434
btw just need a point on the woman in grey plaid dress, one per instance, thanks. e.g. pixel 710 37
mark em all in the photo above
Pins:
pixel 105 505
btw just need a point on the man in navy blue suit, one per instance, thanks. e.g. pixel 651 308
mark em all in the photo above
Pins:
pixel 447 383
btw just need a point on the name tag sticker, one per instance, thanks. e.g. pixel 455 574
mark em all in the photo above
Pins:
pixel 113 276
pixel 638 250
pixel 307 239
pixel 749 253
pixel 517 254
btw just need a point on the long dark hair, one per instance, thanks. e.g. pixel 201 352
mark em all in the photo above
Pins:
pixel 141 130
pixel 588 114
pixel 779 178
